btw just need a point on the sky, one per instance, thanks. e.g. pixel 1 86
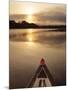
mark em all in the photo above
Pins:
pixel 55 13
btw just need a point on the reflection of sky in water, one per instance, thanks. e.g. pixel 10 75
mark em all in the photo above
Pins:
pixel 26 50
pixel 41 36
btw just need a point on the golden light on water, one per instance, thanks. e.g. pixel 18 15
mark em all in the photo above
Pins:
pixel 30 35
pixel 30 44
pixel 30 31
pixel 30 39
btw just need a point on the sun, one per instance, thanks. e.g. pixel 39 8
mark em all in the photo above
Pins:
pixel 29 10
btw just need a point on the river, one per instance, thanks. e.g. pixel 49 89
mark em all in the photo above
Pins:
pixel 28 46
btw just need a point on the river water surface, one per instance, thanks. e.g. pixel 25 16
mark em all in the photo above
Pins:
pixel 28 46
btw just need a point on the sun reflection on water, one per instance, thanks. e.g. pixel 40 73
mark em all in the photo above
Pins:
pixel 30 38
pixel 30 31
pixel 30 44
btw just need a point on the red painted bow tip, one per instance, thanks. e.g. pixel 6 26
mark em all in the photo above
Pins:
pixel 42 61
